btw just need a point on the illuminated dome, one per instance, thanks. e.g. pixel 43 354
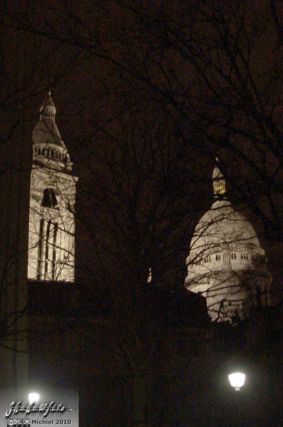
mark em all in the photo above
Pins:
pixel 226 263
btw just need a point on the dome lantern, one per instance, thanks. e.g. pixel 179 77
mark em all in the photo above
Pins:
pixel 218 182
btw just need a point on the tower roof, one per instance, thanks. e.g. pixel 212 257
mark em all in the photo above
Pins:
pixel 48 145
pixel 46 131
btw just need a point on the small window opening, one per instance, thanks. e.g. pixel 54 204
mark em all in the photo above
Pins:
pixel 49 199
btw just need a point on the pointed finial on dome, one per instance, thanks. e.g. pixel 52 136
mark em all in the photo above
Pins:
pixel 48 108
pixel 218 181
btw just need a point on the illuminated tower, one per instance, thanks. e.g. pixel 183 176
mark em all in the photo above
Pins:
pixel 51 254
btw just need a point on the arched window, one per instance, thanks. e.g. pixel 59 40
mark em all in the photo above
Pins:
pixel 49 199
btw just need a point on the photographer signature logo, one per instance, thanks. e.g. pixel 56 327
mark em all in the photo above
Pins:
pixel 43 409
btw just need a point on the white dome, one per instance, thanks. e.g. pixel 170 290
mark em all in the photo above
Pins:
pixel 223 231
pixel 226 262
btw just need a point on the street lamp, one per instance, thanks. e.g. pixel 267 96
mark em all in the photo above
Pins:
pixel 33 397
pixel 237 380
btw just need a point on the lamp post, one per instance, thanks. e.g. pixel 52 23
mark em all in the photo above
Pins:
pixel 237 380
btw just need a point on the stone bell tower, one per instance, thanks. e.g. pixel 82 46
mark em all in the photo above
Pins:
pixel 51 250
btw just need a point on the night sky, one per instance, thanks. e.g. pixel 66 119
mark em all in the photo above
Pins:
pixel 148 94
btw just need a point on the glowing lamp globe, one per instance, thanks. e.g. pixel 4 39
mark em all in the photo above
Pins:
pixel 237 380
pixel 33 397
